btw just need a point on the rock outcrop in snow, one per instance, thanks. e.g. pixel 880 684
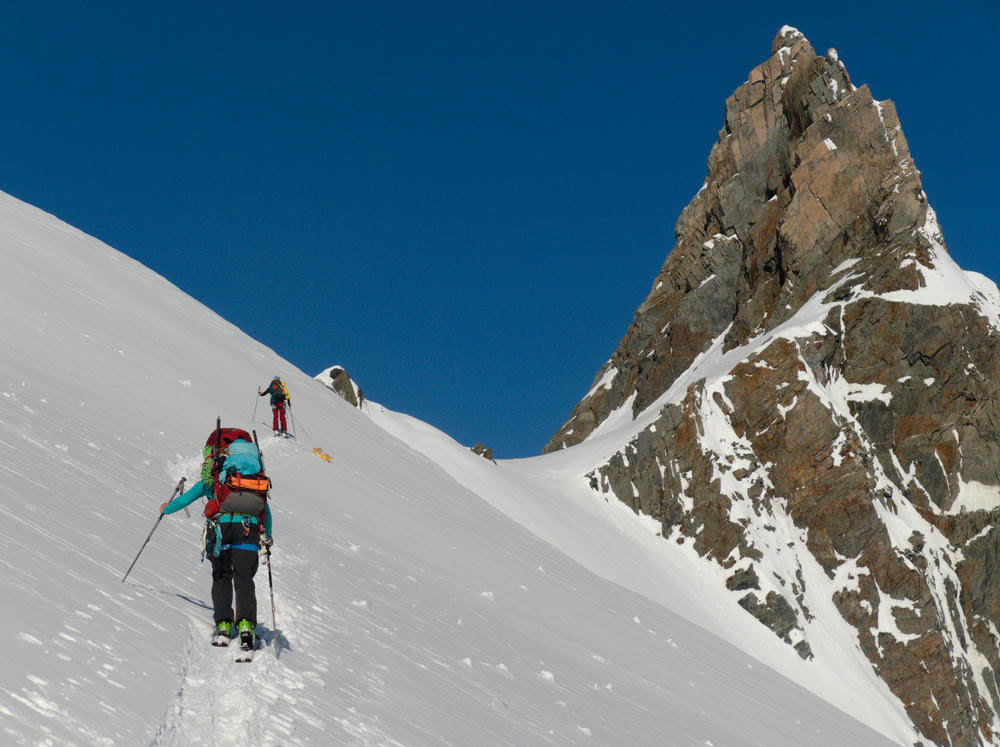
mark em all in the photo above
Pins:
pixel 810 394
pixel 337 379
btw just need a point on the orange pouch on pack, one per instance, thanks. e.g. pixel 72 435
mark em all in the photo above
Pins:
pixel 240 494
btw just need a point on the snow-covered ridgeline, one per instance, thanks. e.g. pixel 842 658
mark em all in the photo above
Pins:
pixel 409 610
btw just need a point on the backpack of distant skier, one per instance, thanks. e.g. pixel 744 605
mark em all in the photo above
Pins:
pixel 279 391
pixel 239 485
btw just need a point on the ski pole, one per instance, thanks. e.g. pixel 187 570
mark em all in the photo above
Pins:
pixel 267 560
pixel 295 426
pixel 253 418
pixel 177 489
pixel 270 584
pixel 260 453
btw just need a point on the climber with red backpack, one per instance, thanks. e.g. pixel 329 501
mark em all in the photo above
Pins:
pixel 279 401
pixel 238 525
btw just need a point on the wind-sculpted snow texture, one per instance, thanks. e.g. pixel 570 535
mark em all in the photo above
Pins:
pixel 409 610
pixel 809 395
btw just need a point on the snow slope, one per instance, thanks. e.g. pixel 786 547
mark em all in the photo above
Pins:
pixel 420 598
pixel 549 496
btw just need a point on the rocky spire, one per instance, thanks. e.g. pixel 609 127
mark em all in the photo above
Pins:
pixel 808 173
pixel 814 394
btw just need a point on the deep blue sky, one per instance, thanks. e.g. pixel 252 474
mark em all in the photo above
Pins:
pixel 462 203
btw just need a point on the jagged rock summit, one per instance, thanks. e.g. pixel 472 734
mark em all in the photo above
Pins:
pixel 809 394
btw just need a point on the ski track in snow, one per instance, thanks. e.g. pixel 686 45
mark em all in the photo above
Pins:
pixel 220 701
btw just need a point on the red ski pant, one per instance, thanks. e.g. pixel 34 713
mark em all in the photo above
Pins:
pixel 279 414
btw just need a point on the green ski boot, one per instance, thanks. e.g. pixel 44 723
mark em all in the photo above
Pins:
pixel 245 628
pixel 223 632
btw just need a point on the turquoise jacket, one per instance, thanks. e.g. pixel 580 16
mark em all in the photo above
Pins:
pixel 244 457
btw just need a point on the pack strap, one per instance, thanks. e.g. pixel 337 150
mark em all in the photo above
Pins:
pixel 241 546
pixel 236 519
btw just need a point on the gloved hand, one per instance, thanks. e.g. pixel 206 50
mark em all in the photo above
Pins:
pixel 163 506
pixel 258 390
pixel 267 542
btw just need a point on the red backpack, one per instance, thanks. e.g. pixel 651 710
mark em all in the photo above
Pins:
pixel 220 438
pixel 238 494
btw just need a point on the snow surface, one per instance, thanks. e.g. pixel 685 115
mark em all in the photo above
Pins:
pixel 423 595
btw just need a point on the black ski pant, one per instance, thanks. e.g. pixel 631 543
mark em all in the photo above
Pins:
pixel 233 570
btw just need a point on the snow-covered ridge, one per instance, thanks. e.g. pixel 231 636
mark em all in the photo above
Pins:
pixel 409 609
pixel 945 283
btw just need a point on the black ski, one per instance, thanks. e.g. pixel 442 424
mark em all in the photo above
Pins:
pixel 245 655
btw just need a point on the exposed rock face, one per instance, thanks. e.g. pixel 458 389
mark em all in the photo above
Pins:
pixel 814 386
pixel 480 448
pixel 337 379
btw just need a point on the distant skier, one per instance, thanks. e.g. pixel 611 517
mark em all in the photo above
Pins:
pixel 238 523
pixel 279 400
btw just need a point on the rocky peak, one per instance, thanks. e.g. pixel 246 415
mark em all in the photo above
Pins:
pixel 786 37
pixel 808 173
pixel 812 387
